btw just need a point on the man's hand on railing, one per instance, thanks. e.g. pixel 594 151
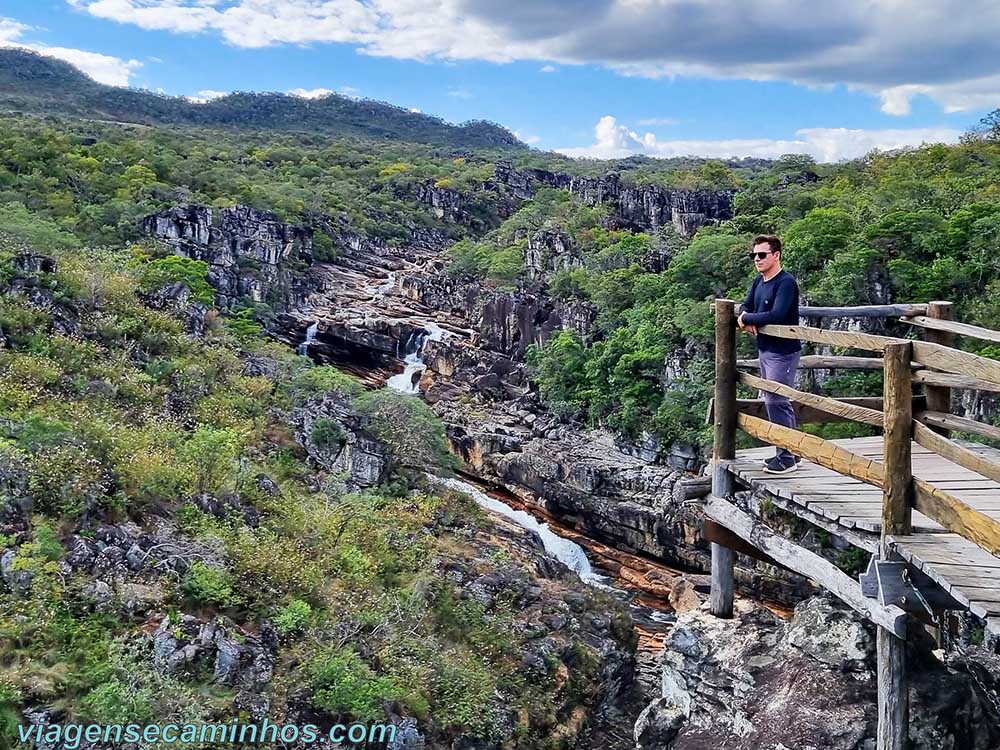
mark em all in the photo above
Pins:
pixel 751 329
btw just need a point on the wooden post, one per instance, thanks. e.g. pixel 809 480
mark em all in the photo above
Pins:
pixel 938 396
pixel 724 448
pixel 897 502
pixel 897 495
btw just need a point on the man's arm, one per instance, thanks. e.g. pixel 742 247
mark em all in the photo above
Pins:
pixel 747 307
pixel 785 298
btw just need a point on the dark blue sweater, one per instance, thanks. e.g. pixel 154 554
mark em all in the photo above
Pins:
pixel 774 301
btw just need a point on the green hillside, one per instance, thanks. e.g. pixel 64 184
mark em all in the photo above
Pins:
pixel 32 82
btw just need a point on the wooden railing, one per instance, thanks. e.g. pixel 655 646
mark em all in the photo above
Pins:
pixel 933 364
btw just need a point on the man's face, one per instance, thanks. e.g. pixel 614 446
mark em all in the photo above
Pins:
pixel 764 260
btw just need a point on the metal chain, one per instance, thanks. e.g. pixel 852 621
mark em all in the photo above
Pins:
pixel 988 692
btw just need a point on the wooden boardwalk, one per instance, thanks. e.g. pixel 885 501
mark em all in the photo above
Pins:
pixel 926 506
pixel 853 509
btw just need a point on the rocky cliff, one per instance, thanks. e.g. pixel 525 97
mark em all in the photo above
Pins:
pixel 251 254
pixel 644 208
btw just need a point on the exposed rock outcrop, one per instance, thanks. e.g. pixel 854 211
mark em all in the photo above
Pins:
pixel 638 207
pixel 758 683
pixel 250 253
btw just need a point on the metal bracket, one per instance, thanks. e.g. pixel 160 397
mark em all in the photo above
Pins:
pixel 895 582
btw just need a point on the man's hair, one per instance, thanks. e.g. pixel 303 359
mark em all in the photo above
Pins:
pixel 767 239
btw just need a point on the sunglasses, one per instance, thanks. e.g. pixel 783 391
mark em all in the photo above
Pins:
pixel 760 256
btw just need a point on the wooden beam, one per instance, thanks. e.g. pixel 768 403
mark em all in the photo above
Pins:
pixel 861 311
pixel 897 503
pixel 893 697
pixel 954 452
pixel 825 362
pixel 938 393
pixel 957 516
pixel 815 449
pixel 960 424
pixel 897 490
pixel 756 407
pixel 946 380
pixel 691 489
pixel 804 562
pixel 822 403
pixel 951 327
pixel 924 352
pixel 724 445
pixel 848 339
pixel 714 532
pixel 724 448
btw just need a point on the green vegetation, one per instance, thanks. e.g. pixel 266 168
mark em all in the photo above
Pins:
pixel 911 226
pixel 123 417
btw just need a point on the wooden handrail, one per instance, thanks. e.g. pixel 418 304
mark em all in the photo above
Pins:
pixel 951 380
pixel 957 454
pixel 962 424
pixel 935 503
pixel 815 449
pixel 926 353
pixel 823 403
pixel 951 326
pixel 859 311
pixel 957 516
pixel 825 362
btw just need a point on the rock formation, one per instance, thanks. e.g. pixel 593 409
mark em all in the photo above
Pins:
pixel 251 254
pixel 758 683
pixel 644 208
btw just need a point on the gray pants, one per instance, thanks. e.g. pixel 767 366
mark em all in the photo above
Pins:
pixel 780 368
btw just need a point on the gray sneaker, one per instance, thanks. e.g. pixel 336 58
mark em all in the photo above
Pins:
pixel 776 466
pixel 764 462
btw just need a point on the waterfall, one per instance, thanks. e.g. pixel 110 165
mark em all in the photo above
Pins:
pixel 310 337
pixel 413 361
pixel 565 551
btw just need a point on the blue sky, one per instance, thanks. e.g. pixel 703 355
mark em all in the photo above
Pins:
pixel 587 77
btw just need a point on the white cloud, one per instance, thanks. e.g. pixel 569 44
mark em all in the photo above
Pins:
pixel 548 69
pixel 206 95
pixel 654 121
pixel 113 71
pixel 349 91
pixel 311 93
pixel 612 140
pixel 948 50
pixel 460 93
pixel 529 139
pixel 415 110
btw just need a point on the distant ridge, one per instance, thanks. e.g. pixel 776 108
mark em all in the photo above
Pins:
pixel 33 82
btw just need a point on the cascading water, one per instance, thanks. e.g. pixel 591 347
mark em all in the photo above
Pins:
pixel 406 381
pixel 565 551
pixel 310 337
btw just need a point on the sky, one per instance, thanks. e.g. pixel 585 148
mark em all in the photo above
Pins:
pixel 594 78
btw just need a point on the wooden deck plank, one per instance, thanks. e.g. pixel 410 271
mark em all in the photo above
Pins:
pixel 830 499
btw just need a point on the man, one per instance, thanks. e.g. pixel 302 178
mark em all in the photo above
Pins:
pixel 774 299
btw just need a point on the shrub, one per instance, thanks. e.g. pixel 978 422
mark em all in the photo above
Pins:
pixel 243 325
pixel 205 584
pixel 67 481
pixel 328 435
pixel 316 381
pixel 212 455
pixel 344 684
pixel 293 617
pixel 412 431
pixel 177 268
